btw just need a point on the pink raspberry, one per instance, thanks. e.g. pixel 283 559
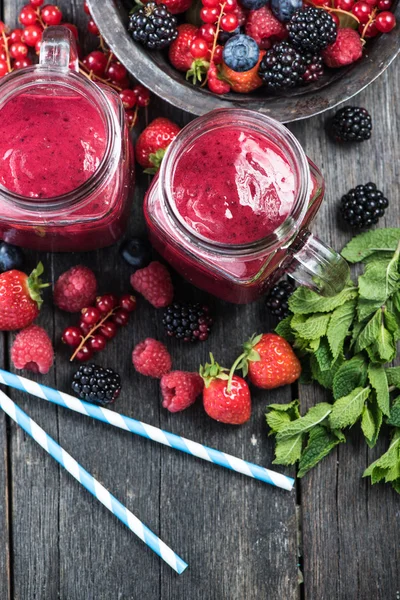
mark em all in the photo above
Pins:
pixel 32 350
pixel 151 358
pixel 264 28
pixel 345 50
pixel 180 389
pixel 75 289
pixel 154 283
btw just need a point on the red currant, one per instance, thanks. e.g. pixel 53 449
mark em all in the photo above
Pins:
pixel 131 117
pixel 72 336
pixel 128 302
pixel 73 29
pixel 116 72
pixel 362 11
pixel 230 5
pixel 36 3
pixel 346 5
pixel 86 8
pixel 28 15
pixel 106 303
pixel 385 21
pixel 3 55
pixel 32 34
pixel 37 46
pixel 121 317
pixel 218 55
pixel 211 3
pixel 384 4
pixel 85 328
pixel 3 68
pixel 96 62
pixel 92 27
pixel 21 63
pixel 207 32
pixel 85 353
pixel 209 15
pixel 142 95
pixel 199 48
pixel 109 330
pixel 18 50
pixel 90 315
pixel 16 36
pixel 229 22
pixel 128 98
pixel 124 84
pixel 370 30
pixel 51 14
pixel 335 19
pixel 372 3
pixel 97 342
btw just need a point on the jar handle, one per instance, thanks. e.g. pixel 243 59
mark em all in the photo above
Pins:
pixel 319 267
pixel 58 49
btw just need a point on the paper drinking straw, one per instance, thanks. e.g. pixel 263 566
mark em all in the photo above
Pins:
pixel 91 484
pixel 147 431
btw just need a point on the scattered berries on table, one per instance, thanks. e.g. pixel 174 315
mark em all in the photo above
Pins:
pixel 153 26
pixel 20 298
pixel 282 67
pixel 188 322
pixel 363 206
pixel 151 358
pixel 312 29
pixel 269 361
pixel 153 143
pixel 137 252
pixel 241 53
pixel 180 390
pixel 32 350
pixel 264 27
pixel 96 384
pixel 351 124
pixel 345 50
pixel 11 257
pixel 75 289
pixel 285 9
pixel 154 283
pixel 314 67
pixel 278 297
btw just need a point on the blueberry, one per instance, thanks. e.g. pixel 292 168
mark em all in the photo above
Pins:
pixel 241 53
pixel 136 252
pixel 253 4
pixel 11 257
pixel 284 9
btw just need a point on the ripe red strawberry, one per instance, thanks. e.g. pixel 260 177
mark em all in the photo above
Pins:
pixel 151 358
pixel 153 142
pixel 180 389
pixel 269 361
pixel 245 82
pixel 20 298
pixel 264 28
pixel 179 51
pixel 226 398
pixel 215 84
pixel 32 350
pixel 154 283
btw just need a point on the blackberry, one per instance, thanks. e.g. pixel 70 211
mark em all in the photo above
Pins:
pixel 351 124
pixel 363 206
pixel 281 67
pixel 277 299
pixel 96 384
pixel 187 322
pixel 314 67
pixel 153 26
pixel 311 29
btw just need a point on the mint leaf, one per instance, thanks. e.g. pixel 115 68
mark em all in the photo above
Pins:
pixel 291 407
pixel 380 279
pixel 393 376
pixel 365 244
pixel 378 380
pixel 304 301
pixel 371 421
pixel 351 374
pixel 365 308
pixel 370 332
pixel 381 256
pixel 284 329
pixel 281 414
pixel 394 418
pixel 312 327
pixel 338 328
pixel 324 355
pixel 288 451
pixel 348 409
pixel 380 468
pixel 385 345
pixel 320 442
pixel 314 416
pixel 391 324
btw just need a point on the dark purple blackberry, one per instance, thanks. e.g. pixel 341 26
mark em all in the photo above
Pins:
pixel 96 384
pixel 187 322
pixel 311 29
pixel 363 206
pixel 282 67
pixel 153 26
pixel 351 124
pixel 314 67
pixel 277 299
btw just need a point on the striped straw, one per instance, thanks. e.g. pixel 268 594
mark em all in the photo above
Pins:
pixel 91 484
pixel 147 431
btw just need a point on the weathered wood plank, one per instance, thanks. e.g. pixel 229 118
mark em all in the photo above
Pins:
pixel 5 562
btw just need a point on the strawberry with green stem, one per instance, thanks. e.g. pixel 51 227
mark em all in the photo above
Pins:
pixel 153 143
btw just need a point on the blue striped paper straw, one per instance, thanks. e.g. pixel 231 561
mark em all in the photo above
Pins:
pixel 147 431
pixel 91 484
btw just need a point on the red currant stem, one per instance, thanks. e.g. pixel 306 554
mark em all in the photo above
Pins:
pixel 89 74
pixel 132 125
pixel 109 58
pixel 342 12
pixel 5 40
pixel 218 27
pixel 91 332
pixel 43 24
pixel 370 20
pixel 102 44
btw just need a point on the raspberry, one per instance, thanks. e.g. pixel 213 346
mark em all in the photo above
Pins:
pixel 154 283
pixel 180 389
pixel 75 289
pixel 151 358
pixel 32 350
pixel 345 50
pixel 264 28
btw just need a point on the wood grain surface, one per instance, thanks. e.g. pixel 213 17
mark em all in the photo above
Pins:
pixel 241 538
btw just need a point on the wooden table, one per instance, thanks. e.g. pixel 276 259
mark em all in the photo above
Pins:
pixel 333 538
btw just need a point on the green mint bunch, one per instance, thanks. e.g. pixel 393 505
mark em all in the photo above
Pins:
pixel 345 343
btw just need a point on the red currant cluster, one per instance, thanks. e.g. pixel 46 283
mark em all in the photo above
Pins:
pixel 98 324
pixel 374 16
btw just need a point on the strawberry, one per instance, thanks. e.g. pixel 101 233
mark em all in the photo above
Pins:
pixel 244 82
pixel 269 361
pixel 226 397
pixel 20 298
pixel 153 142
pixel 215 84
pixel 179 51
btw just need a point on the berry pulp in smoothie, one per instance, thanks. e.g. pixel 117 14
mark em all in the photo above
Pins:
pixel 233 186
pixel 49 144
